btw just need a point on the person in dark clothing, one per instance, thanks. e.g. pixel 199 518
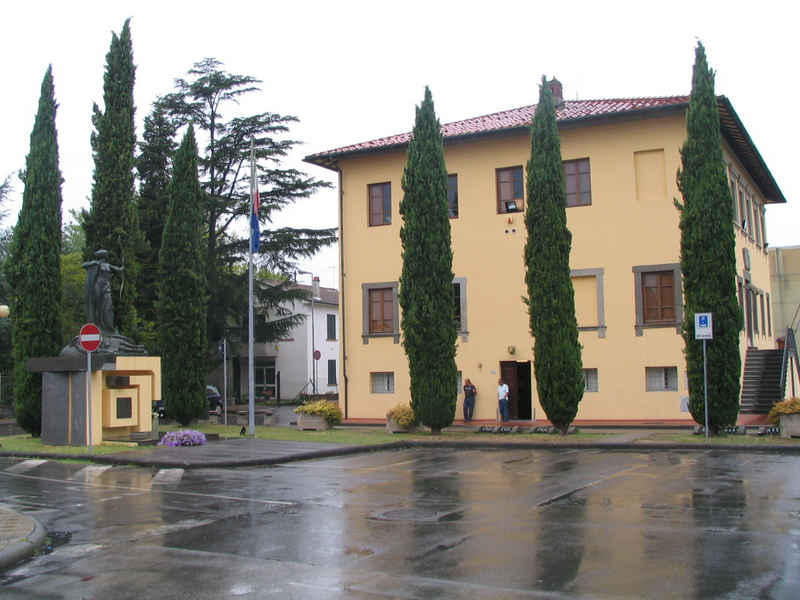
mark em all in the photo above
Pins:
pixel 469 399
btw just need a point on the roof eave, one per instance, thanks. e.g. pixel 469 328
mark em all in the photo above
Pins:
pixel 754 162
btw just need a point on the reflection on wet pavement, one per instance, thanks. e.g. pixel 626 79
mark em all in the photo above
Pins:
pixel 420 523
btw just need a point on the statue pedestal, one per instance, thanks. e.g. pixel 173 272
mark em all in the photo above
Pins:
pixel 123 389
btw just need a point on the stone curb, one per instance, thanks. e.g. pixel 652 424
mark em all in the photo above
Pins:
pixel 150 461
pixel 16 551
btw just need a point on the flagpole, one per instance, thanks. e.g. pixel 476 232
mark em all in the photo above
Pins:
pixel 250 349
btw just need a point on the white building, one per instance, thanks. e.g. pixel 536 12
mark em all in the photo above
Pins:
pixel 287 367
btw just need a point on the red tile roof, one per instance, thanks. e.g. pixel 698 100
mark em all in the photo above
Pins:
pixel 567 111
pixel 576 111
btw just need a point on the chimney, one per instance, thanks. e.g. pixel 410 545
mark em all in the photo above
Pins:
pixel 555 88
pixel 315 287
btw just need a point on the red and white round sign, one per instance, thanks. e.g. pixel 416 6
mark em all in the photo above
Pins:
pixel 90 337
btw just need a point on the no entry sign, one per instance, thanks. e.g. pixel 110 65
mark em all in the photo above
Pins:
pixel 90 337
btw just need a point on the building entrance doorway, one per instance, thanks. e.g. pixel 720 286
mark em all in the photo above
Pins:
pixel 517 375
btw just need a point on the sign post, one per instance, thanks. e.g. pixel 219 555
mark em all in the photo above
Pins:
pixel 704 330
pixel 89 339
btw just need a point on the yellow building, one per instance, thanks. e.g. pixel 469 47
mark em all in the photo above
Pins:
pixel 620 160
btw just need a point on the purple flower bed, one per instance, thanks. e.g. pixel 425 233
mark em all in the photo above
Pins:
pixel 184 437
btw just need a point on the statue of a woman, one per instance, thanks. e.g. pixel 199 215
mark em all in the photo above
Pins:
pixel 99 308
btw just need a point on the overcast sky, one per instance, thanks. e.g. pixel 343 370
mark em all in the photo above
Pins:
pixel 353 71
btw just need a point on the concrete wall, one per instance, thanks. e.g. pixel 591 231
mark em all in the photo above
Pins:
pixel 784 267
pixel 631 223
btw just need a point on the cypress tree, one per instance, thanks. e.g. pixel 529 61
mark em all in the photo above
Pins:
pixel 426 282
pixel 112 223
pixel 33 266
pixel 182 290
pixel 551 298
pixel 154 165
pixel 708 256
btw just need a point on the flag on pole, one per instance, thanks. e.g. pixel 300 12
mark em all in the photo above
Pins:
pixel 255 226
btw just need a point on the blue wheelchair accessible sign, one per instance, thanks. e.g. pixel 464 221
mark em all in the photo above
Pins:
pixel 703 329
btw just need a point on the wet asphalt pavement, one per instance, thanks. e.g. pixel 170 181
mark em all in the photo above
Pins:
pixel 417 523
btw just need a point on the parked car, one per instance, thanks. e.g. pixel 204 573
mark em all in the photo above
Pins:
pixel 214 399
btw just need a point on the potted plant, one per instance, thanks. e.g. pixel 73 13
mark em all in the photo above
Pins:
pixel 400 419
pixel 787 413
pixel 318 415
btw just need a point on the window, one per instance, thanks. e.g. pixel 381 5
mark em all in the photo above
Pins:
pixel 264 376
pixel 578 182
pixel 754 306
pixel 757 220
pixel 458 383
pixel 460 305
pixel 742 213
pixel 452 196
pixel 763 315
pixel 382 383
pixel 732 179
pixel 749 217
pixel 510 190
pixel 662 379
pixel 590 380
pixel 332 371
pixel 769 317
pixel 658 296
pixel 380 204
pixel 331 327
pixel 379 310
pixel 587 285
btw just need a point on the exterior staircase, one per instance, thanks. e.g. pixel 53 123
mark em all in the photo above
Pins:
pixel 761 385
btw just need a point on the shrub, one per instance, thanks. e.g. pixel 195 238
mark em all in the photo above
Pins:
pixel 790 406
pixel 403 415
pixel 322 408
pixel 183 437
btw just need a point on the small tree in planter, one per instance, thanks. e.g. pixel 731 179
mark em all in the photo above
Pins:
pixel 400 418
pixel 318 415
pixel 787 414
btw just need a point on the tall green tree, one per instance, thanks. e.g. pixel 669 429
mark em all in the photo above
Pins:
pixel 73 277
pixel 112 222
pixel 426 282
pixel 33 265
pixel 551 297
pixel 154 165
pixel 203 99
pixel 6 360
pixel 708 256
pixel 182 290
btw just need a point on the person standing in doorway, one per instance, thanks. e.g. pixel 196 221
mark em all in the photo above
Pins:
pixel 469 399
pixel 502 399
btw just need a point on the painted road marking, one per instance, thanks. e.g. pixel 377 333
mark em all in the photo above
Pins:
pixel 165 476
pixel 141 489
pixel 25 465
pixel 90 472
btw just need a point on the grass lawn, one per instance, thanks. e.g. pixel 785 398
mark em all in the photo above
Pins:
pixel 354 436
pixel 27 443
pixel 682 437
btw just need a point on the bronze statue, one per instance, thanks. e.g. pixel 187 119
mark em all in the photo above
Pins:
pixel 99 307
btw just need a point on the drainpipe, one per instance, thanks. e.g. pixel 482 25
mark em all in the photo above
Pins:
pixel 342 294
